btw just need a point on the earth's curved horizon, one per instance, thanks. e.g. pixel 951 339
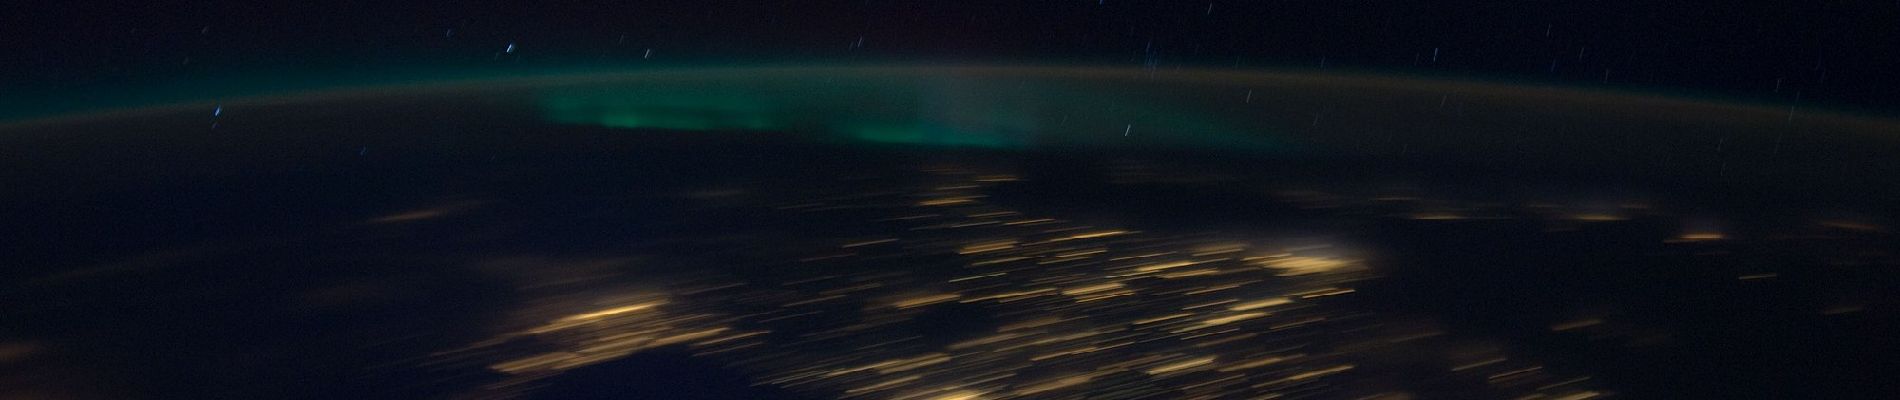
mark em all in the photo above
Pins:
pixel 597 74
pixel 1588 127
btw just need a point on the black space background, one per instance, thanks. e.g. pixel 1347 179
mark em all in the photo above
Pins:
pixel 1843 53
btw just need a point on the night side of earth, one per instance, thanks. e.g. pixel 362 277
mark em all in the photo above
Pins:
pixel 939 233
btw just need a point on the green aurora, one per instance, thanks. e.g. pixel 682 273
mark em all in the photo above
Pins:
pixel 910 110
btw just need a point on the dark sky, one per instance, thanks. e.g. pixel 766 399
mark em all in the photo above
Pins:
pixel 1839 52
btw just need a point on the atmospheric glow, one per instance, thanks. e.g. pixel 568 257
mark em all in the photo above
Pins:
pixel 924 110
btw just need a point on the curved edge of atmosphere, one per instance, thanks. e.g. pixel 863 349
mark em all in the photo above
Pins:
pixel 1355 80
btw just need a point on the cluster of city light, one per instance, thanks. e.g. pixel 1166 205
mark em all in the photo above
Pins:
pixel 1078 311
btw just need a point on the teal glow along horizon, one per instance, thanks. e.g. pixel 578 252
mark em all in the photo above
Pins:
pixel 907 107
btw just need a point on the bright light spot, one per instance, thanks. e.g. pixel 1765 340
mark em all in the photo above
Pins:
pixel 1303 265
